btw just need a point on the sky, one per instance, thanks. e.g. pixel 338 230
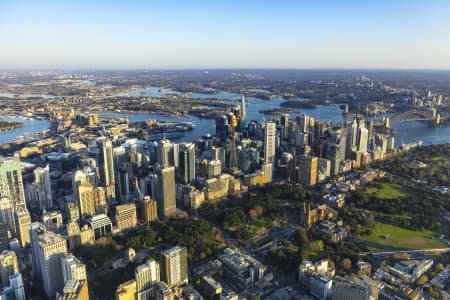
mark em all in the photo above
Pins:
pixel 387 34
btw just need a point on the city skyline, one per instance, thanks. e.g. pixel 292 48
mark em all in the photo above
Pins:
pixel 199 34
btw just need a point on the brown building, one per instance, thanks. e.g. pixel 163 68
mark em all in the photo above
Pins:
pixel 309 216
pixel 75 290
pixel 307 169
pixel 149 210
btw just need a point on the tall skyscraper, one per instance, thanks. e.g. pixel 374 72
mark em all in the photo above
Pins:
pixel 22 221
pixel 47 248
pixel 174 266
pixel 269 142
pixel 106 164
pixel 78 178
pixel 149 209
pixel 164 153
pixel 187 162
pixel 243 111
pixel 8 266
pixel 232 154
pixel 164 191
pixel 40 192
pixel 86 195
pixel 307 169
pixel 363 139
pixel 146 276
pixel 7 213
pixel 11 184
pixel 72 268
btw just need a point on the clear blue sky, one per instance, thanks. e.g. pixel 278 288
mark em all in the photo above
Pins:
pixel 232 33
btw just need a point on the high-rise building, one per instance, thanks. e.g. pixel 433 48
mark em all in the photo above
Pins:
pixel 174 266
pixel 269 142
pixel 101 203
pixel 40 191
pixel 307 169
pixel 149 209
pixel 53 220
pixel 3 237
pixel 11 184
pixel 164 153
pixel 78 178
pixel 7 213
pixel 232 153
pixel 106 163
pixel 72 268
pixel 243 111
pixel 285 123
pixel 74 290
pixel 71 211
pixel 187 162
pixel 126 291
pixel 126 217
pixel 16 284
pixel 47 248
pixel 164 191
pixel 22 223
pixel 363 139
pixel 146 276
pixel 8 266
pixel 73 234
pixel 333 153
pixel 101 225
pixel 86 196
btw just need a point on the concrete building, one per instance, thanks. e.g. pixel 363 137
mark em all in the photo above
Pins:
pixel 47 248
pixel 126 216
pixel 164 183
pixel 39 192
pixel 73 268
pixel 320 287
pixel 53 220
pixel 8 266
pixel 11 184
pixel 146 276
pixel 149 209
pixel 307 169
pixel 106 164
pixel 126 291
pixel 22 223
pixel 87 200
pixel 7 213
pixel 101 225
pixel 75 290
pixel 186 168
pixel 174 266
pixel 348 290
pixel 269 142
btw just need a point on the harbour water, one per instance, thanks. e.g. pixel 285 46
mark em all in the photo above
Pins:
pixel 406 132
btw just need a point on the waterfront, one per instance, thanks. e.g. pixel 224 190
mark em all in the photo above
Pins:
pixel 406 132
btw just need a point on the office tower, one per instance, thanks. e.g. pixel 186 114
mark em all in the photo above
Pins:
pixel 101 203
pixel 72 268
pixel 269 142
pixel 187 162
pixel 345 289
pixel 53 220
pixel 126 217
pixel 221 126
pixel 323 169
pixel 7 213
pixel 86 196
pixel 333 154
pixel 149 209
pixel 214 168
pixel 243 111
pixel 175 155
pixel 354 135
pixel 74 290
pixel 106 164
pixel 232 154
pixel 101 225
pixel 174 266
pixel 267 169
pixel 164 183
pixel 93 120
pixel 47 248
pixel 22 221
pixel 363 139
pixel 8 266
pixel 42 187
pixel 11 185
pixel 307 169
pixel 126 290
pixel 303 123
pixel 164 153
pixel 146 276
pixel 16 284
pixel 122 184
pixel 284 120
pixel 3 236
pixel 71 211
pixel 78 178
pixel 73 234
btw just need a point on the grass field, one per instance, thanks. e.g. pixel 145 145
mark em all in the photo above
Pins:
pixel 400 238
pixel 390 191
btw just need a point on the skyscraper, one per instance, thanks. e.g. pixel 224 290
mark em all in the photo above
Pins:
pixel 106 164
pixel 11 184
pixel 164 153
pixel 164 191
pixel 86 195
pixel 187 162
pixel 174 266
pixel 146 276
pixel 307 169
pixel 243 111
pixel 47 248
pixel 22 221
pixel 40 191
pixel 78 178
pixel 72 268
pixel 232 154
pixel 363 139
pixel 269 142
pixel 7 213
pixel 8 266
pixel 126 217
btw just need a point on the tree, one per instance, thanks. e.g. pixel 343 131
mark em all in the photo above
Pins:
pixel 316 246
pixel 302 238
pixel 346 264
pixel 422 280
pixel 253 214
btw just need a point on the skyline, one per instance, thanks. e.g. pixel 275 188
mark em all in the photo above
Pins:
pixel 225 35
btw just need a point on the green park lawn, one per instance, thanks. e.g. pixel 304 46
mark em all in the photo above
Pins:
pixel 390 191
pixel 399 238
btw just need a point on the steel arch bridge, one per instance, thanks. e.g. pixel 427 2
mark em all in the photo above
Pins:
pixel 414 115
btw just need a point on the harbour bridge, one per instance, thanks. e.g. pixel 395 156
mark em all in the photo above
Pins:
pixel 415 115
